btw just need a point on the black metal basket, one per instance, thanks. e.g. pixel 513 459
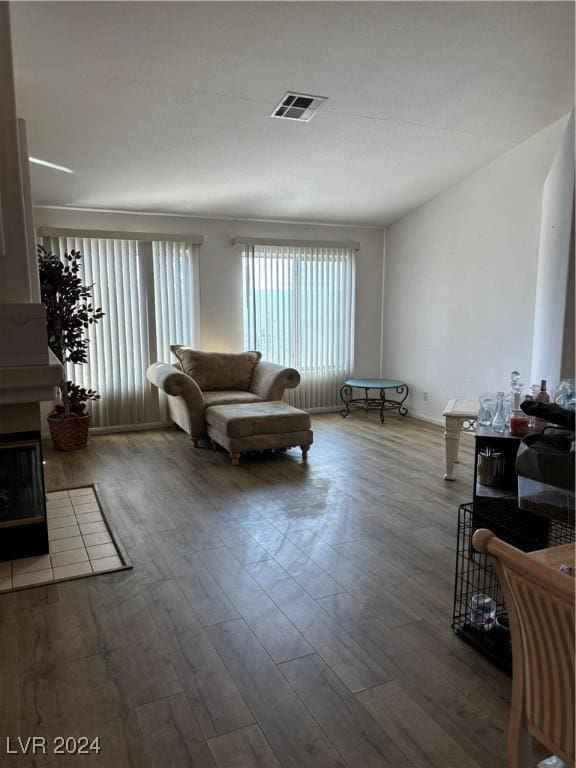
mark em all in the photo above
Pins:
pixel 475 574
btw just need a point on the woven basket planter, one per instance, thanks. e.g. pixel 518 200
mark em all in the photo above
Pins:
pixel 70 433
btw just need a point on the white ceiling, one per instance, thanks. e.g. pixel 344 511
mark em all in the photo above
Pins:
pixel 164 107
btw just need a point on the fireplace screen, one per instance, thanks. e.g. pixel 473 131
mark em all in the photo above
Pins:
pixel 21 483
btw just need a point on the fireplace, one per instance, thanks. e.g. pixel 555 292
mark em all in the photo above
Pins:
pixel 26 378
pixel 23 528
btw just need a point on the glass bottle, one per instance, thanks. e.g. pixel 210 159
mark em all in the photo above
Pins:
pixel 499 418
pixel 512 399
pixel 515 381
pixel 519 422
pixel 543 396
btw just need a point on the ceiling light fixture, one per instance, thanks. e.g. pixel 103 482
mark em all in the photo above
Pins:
pixel 298 106
pixel 46 164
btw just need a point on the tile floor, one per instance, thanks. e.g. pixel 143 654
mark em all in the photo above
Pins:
pixel 78 539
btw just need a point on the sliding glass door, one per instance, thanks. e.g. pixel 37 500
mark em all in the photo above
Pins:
pixel 299 312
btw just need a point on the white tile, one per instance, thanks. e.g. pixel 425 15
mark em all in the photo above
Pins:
pixel 51 495
pixel 92 528
pixel 106 564
pixel 59 504
pixel 61 522
pixel 91 539
pixel 102 550
pixel 76 492
pixel 74 569
pixel 35 577
pixel 81 509
pixel 65 545
pixel 6 584
pixel 6 566
pixel 89 517
pixel 52 514
pixel 69 557
pixel 64 533
pixel 30 564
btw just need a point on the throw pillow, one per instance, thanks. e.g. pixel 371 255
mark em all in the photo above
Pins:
pixel 217 370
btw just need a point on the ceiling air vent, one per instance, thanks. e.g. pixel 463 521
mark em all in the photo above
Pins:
pixel 298 106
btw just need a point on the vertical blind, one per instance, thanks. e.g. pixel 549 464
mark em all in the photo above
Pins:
pixel 148 293
pixel 175 281
pixel 299 312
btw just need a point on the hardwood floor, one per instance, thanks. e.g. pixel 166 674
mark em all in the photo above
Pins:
pixel 278 613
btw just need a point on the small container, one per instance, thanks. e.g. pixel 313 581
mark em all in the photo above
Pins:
pixel 543 396
pixel 485 413
pixel 499 419
pixel 531 420
pixel 519 424
pixel 490 468
pixel 482 612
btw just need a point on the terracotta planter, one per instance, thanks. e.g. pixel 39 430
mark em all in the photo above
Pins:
pixel 69 433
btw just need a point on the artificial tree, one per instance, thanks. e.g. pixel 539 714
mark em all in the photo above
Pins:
pixel 69 313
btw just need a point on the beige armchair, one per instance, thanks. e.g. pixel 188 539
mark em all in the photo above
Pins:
pixel 187 402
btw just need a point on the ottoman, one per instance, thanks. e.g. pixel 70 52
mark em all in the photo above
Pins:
pixel 258 427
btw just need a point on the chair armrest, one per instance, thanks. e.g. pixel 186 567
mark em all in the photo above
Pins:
pixel 175 383
pixel 270 380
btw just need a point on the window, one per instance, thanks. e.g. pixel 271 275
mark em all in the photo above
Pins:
pixel 299 312
pixel 147 288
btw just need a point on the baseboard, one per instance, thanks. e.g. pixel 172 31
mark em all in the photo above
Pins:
pixel 429 419
pixel 130 428
pixel 439 423
pixel 325 409
pixel 164 425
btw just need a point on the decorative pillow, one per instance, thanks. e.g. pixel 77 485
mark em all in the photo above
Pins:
pixel 218 370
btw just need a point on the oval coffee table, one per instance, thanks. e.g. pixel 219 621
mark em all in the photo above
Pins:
pixel 368 403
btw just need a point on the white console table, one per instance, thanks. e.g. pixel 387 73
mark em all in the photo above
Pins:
pixel 459 416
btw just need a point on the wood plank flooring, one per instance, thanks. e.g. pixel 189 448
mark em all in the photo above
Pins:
pixel 279 614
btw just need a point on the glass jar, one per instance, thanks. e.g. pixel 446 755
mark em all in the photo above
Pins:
pixel 519 424
pixel 482 612
pixel 499 421
pixel 485 413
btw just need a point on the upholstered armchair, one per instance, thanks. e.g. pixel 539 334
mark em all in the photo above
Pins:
pixel 218 379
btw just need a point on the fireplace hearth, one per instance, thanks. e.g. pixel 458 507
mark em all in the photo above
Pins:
pixel 23 527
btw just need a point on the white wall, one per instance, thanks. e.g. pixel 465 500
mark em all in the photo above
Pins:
pixel 554 262
pixel 460 280
pixel 221 276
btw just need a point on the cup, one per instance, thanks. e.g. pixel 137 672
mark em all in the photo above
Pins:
pixel 482 612
pixel 490 468
pixel 486 407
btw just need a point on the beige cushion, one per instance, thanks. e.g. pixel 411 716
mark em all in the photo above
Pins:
pixel 217 370
pixel 227 396
pixel 257 419
pixel 261 442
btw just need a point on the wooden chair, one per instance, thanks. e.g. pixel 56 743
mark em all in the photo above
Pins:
pixel 540 604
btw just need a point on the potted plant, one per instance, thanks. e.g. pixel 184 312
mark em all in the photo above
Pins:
pixel 69 313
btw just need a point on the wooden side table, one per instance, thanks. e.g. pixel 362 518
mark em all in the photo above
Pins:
pixel 460 416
